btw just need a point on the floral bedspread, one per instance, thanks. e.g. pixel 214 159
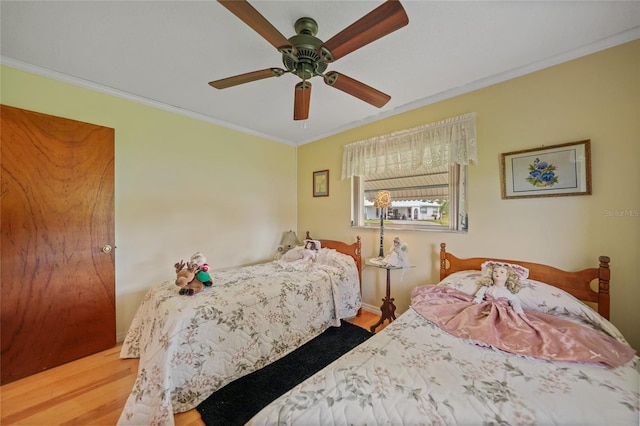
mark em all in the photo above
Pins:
pixel 190 346
pixel 413 373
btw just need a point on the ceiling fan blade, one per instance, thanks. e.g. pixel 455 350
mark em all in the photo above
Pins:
pixel 383 20
pixel 357 89
pixel 250 16
pixel 246 78
pixel 301 100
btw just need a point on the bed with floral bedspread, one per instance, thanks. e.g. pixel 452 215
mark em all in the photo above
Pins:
pixel 415 373
pixel 190 346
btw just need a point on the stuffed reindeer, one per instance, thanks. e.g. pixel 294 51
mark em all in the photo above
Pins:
pixel 186 278
pixel 193 276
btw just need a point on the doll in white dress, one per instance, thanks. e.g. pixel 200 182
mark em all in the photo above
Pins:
pixel 398 255
pixel 310 252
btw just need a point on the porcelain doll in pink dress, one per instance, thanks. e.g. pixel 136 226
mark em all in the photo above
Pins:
pixel 504 282
pixel 494 317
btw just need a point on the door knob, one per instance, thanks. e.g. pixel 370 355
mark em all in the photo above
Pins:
pixel 106 248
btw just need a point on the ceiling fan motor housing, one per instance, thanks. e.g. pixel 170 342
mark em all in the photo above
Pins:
pixel 305 61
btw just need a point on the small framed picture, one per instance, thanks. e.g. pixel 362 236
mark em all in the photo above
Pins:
pixel 552 171
pixel 321 183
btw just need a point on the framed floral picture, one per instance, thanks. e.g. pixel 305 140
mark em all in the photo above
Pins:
pixel 552 171
pixel 321 183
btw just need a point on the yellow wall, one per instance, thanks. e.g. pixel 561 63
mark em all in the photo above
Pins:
pixel 182 185
pixel 596 97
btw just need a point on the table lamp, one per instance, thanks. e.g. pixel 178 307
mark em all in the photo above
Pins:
pixel 289 240
pixel 383 200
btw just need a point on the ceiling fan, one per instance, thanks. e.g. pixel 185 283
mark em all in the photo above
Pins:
pixel 307 56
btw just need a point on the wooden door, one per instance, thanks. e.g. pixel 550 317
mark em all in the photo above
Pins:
pixel 58 285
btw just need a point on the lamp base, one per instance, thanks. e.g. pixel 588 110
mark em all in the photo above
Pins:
pixel 381 254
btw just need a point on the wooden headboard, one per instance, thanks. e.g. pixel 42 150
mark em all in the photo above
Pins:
pixel 576 283
pixel 354 250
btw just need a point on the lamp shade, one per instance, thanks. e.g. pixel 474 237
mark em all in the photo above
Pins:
pixel 383 199
pixel 290 240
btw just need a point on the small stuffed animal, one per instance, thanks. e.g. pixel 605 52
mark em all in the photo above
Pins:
pixel 186 278
pixel 193 276
pixel 202 274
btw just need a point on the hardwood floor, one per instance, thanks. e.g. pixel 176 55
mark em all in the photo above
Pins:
pixel 89 391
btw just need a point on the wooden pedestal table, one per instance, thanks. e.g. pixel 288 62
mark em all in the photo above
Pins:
pixel 388 308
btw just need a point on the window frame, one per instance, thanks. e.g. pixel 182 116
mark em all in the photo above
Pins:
pixel 458 205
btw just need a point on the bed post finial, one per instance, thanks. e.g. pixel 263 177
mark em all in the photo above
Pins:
pixel 604 275
pixel 443 261
pixel 308 237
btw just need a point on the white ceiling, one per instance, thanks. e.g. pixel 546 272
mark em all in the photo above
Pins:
pixel 164 53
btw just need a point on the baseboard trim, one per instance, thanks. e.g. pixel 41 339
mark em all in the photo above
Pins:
pixel 370 308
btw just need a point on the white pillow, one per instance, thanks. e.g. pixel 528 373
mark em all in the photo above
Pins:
pixel 543 297
pixel 465 281
pixel 534 295
pixel 325 256
pixel 293 254
pixel 337 261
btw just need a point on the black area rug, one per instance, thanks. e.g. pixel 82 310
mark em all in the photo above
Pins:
pixel 240 400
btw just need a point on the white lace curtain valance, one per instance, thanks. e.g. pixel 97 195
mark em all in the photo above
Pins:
pixel 444 143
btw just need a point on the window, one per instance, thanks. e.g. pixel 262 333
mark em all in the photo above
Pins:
pixel 430 201
pixel 424 169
